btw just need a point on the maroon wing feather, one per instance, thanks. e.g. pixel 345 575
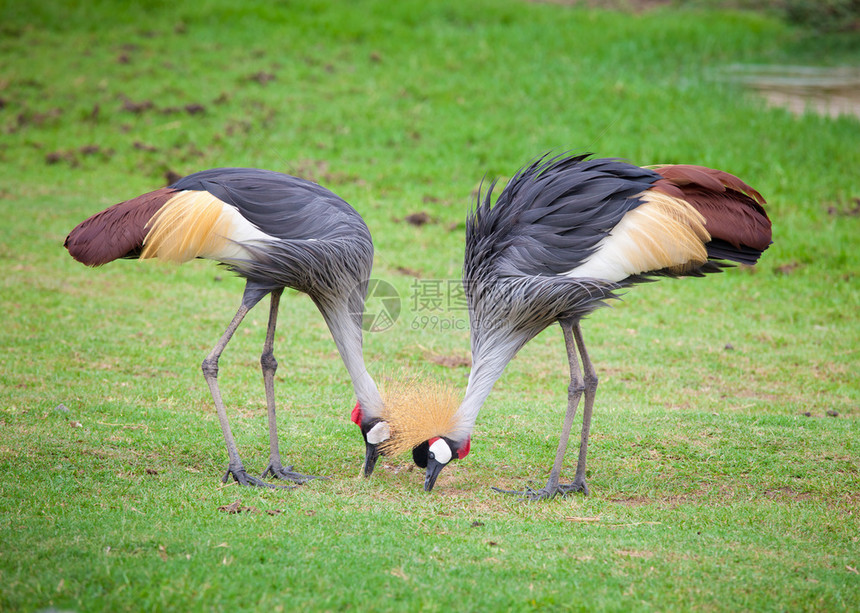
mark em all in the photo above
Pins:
pixel 116 232
pixel 733 210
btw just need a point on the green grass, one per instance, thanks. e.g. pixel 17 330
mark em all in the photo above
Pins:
pixel 711 490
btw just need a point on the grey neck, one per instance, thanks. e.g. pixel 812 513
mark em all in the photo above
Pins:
pixel 487 367
pixel 346 332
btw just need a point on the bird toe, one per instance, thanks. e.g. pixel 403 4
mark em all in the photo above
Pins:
pixel 241 476
pixel 288 474
pixel 578 485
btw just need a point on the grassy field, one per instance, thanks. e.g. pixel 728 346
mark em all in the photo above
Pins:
pixel 719 481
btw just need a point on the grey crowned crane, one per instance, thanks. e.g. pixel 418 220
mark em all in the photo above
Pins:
pixel 276 231
pixel 565 235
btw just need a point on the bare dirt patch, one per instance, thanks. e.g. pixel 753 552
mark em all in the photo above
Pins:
pixel 786 493
pixel 237 507
pixel 451 361
pixel 667 502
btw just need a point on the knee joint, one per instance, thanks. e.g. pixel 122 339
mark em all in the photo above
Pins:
pixel 575 388
pixel 268 362
pixel 209 367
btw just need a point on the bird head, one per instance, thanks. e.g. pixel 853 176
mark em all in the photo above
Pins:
pixel 435 454
pixel 375 431
pixel 422 418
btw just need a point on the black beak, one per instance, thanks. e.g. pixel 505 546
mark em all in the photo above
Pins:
pixel 370 457
pixel 433 470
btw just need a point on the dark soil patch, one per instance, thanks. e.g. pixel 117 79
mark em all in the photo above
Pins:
pixel 451 361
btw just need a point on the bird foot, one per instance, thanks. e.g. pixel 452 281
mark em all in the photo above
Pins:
pixel 578 485
pixel 280 472
pixel 241 476
pixel 548 492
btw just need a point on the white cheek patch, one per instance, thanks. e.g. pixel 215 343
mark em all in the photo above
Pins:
pixel 378 433
pixel 441 451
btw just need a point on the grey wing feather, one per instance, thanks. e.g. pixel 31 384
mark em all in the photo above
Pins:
pixel 324 247
pixel 550 217
pixel 280 205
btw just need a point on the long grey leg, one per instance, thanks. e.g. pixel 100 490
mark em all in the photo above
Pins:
pixel 210 373
pixel 574 393
pixel 590 393
pixel 270 365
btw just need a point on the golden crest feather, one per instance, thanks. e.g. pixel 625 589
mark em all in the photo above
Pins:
pixel 417 411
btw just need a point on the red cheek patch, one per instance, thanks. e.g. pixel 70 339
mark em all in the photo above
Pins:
pixel 356 414
pixel 463 451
